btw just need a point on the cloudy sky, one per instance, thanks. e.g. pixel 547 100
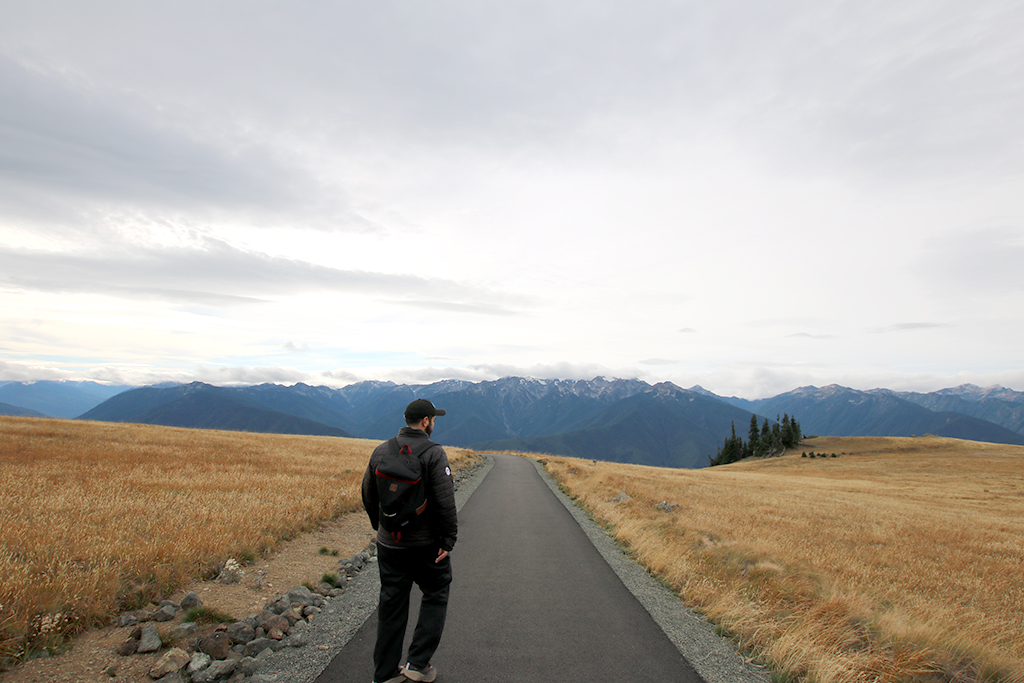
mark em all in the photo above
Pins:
pixel 747 195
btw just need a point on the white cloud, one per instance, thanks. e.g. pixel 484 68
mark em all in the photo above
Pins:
pixel 744 195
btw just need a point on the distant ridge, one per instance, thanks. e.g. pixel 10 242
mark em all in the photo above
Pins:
pixel 624 420
pixel 18 411
pixel 664 426
pixel 57 398
pixel 204 406
pixel 840 411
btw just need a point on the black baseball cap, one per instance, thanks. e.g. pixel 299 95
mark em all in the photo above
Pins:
pixel 419 409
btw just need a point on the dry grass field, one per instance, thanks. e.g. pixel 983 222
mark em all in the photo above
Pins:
pixel 99 517
pixel 901 559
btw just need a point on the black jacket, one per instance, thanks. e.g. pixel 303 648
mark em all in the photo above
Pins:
pixel 442 524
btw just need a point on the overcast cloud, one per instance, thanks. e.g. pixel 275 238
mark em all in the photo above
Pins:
pixel 751 196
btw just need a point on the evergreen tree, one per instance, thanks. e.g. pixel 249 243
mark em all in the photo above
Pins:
pixel 752 437
pixel 768 440
pixel 787 432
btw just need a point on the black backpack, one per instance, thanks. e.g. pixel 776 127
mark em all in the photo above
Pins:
pixel 401 491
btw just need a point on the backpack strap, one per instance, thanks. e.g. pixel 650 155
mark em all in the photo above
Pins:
pixel 420 450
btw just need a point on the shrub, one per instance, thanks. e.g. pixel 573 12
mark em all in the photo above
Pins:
pixel 207 615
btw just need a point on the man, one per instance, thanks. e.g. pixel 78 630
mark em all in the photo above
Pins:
pixel 419 553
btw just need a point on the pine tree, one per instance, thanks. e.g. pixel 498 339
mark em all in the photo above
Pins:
pixel 768 440
pixel 752 437
pixel 787 432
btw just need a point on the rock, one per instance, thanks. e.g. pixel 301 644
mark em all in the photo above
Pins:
pixel 666 506
pixel 232 572
pixel 248 666
pixel 173 677
pixel 622 497
pixel 293 614
pixel 277 605
pixel 127 620
pixel 191 600
pixel 184 630
pixel 277 622
pixel 303 596
pixel 310 611
pixel 216 671
pixel 128 647
pixel 276 634
pixel 255 647
pixel 171 661
pixel 199 661
pixel 241 632
pixel 165 613
pixel 295 640
pixel 217 645
pixel 149 639
pixel 323 588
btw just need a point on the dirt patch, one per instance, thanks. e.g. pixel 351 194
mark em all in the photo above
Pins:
pixel 304 559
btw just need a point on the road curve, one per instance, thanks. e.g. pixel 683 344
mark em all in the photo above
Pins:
pixel 532 599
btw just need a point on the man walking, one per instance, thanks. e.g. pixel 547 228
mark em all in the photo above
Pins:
pixel 412 550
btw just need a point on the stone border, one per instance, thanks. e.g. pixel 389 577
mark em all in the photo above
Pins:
pixel 716 659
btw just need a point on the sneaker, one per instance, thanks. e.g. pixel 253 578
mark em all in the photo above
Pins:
pixel 426 674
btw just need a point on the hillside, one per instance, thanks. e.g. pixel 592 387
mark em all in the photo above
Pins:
pixel 1002 407
pixel 100 518
pixel 840 411
pixel 899 556
pixel 8 409
pixel 204 407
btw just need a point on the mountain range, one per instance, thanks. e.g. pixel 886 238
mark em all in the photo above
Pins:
pixel 621 420
pixel 56 398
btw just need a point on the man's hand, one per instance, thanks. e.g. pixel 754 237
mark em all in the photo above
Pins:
pixel 441 554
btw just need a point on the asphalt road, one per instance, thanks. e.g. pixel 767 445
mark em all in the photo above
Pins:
pixel 532 599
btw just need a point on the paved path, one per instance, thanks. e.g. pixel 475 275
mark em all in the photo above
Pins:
pixel 532 600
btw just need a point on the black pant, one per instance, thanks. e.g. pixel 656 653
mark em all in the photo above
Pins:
pixel 399 569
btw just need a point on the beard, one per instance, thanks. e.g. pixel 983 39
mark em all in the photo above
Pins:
pixel 430 428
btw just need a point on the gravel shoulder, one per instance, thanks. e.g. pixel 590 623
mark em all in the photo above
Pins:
pixel 715 658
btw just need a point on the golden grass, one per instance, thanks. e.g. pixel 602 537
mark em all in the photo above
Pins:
pixel 99 517
pixel 902 559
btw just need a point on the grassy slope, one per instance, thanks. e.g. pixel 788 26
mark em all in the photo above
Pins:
pixel 102 516
pixel 900 559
